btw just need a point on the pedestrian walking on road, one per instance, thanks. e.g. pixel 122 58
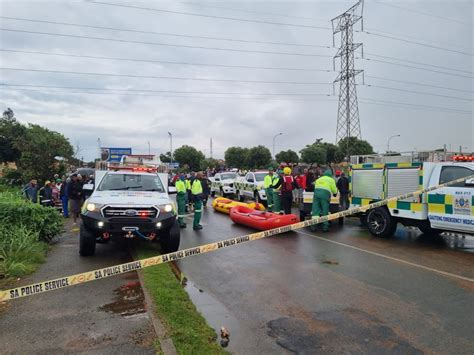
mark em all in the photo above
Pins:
pixel 343 187
pixel 267 185
pixel 75 196
pixel 324 187
pixel 206 191
pixel 30 191
pixel 181 199
pixel 196 191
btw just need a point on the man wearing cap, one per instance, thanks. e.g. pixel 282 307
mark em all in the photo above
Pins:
pixel 267 185
pixel 276 186
pixel 46 194
pixel 288 184
pixel 197 193
pixel 324 187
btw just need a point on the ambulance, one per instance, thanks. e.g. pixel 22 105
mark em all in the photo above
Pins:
pixel 448 209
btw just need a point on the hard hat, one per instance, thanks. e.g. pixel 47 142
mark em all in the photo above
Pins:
pixel 287 170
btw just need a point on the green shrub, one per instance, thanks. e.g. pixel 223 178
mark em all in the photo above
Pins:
pixel 15 211
pixel 20 250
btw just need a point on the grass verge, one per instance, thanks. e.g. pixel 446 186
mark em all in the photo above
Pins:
pixel 185 325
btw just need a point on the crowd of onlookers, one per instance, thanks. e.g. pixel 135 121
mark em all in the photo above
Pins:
pixel 63 193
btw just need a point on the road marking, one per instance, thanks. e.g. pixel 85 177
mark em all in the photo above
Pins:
pixel 391 258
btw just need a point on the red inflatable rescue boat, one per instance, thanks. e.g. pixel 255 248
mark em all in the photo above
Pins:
pixel 260 220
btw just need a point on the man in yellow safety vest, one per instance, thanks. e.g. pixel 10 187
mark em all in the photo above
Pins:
pixel 267 185
pixel 197 192
pixel 181 199
pixel 324 187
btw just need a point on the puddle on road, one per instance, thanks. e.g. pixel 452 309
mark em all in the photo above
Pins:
pixel 215 313
pixel 129 300
pixel 340 331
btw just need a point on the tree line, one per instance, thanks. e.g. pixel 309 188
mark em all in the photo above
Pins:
pixel 33 149
pixel 258 157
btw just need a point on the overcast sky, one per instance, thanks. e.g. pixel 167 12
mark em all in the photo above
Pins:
pixel 134 116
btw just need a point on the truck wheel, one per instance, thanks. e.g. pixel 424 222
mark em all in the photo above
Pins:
pixel 170 239
pixel 222 193
pixel 257 197
pixel 240 198
pixel 86 242
pixel 380 223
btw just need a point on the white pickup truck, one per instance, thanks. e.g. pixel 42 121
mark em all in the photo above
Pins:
pixel 223 184
pixel 449 209
pixel 251 186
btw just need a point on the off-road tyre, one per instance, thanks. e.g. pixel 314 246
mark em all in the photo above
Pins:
pixel 170 239
pixel 86 241
pixel 380 223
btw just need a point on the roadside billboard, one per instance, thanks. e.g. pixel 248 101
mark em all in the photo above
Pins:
pixel 114 154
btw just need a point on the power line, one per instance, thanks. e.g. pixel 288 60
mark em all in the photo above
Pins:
pixel 414 67
pixel 418 92
pixel 162 61
pixel 211 16
pixel 417 43
pixel 163 77
pixel 421 63
pixel 165 44
pixel 449 44
pixel 409 105
pixel 369 101
pixel 254 12
pixel 165 91
pixel 52 90
pixel 160 33
pixel 425 13
pixel 419 84
pixel 363 100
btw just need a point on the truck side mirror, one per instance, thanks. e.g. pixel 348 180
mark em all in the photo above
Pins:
pixel 88 187
pixel 172 190
pixel 469 182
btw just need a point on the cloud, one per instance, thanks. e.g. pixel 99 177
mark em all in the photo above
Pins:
pixel 128 120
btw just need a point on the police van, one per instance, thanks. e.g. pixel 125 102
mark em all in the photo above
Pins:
pixel 128 203
pixel 223 183
pixel 251 186
pixel 449 209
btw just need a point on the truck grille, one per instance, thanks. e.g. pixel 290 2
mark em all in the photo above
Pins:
pixel 139 212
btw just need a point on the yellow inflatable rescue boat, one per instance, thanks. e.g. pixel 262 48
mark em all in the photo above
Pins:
pixel 224 205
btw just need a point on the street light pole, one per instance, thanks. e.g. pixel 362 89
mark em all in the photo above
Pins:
pixel 274 137
pixel 171 146
pixel 388 143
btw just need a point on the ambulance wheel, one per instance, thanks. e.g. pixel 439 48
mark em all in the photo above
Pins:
pixel 380 223
pixel 257 198
pixel 222 193
pixel 86 242
pixel 240 198
pixel 170 239
pixel 426 229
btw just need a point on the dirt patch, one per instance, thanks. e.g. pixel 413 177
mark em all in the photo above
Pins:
pixel 129 300
pixel 340 331
pixel 144 338
pixel 89 341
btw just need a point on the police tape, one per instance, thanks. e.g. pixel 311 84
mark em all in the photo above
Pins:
pixel 67 281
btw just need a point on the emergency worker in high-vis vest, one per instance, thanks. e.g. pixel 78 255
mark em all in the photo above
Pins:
pixel 267 185
pixel 181 199
pixel 197 193
pixel 324 187
pixel 276 186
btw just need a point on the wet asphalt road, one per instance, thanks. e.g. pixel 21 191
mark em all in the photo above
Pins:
pixel 340 292
pixel 103 317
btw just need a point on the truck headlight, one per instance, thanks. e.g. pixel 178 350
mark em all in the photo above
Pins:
pixel 167 207
pixel 91 207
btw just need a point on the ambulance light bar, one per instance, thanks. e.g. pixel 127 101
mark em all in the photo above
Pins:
pixel 463 158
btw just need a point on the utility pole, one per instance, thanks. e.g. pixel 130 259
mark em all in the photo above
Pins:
pixel 211 147
pixel 348 123
pixel 171 146
pixel 149 148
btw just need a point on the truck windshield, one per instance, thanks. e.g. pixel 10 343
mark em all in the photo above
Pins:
pixel 260 176
pixel 133 182
pixel 228 176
